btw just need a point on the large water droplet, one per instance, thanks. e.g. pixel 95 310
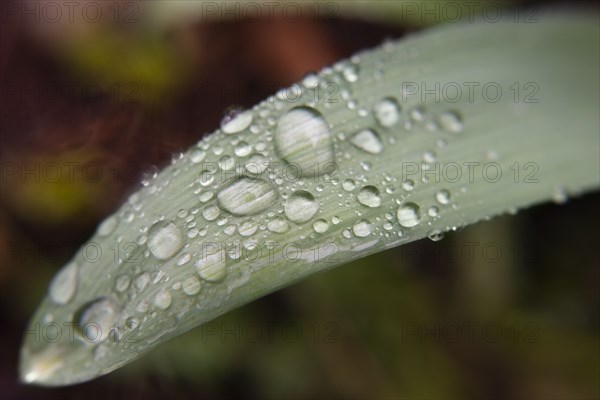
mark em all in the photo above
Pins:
pixel 211 266
pixel 367 140
pixel 451 121
pixel 387 112
pixel 369 196
pixel 164 240
pixel 236 120
pixel 246 196
pixel 303 139
pixel 64 284
pixel 409 215
pixel 301 206
pixel 95 319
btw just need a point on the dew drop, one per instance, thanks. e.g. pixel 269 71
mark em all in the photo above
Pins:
pixel 164 240
pixel 96 318
pixel 226 163
pixel 247 228
pixel 387 112
pixel 107 226
pixel 246 196
pixel 242 149
pixel 184 258
pixel 301 206
pixel 408 185
pixel 369 196
pixel 210 213
pixel 64 285
pixel 122 283
pixel 191 286
pixel 409 215
pixel 211 266
pixel 320 226
pixel 451 121
pixel 278 225
pixel 142 281
pixel 256 164
pixel 443 196
pixel 435 235
pixel 350 73
pixel 197 155
pixel 348 185
pixel 162 299
pixel 303 138
pixel 236 120
pixel 367 140
pixel 362 228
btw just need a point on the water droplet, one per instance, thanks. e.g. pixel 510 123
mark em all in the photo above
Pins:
pixel 417 114
pixel 433 211
pixel 369 196
pixel 301 206
pixel 348 185
pixel 210 213
pixel 226 163
pixel 236 120
pixel 303 139
pixel 96 318
pixel 107 226
pixel 560 195
pixel 122 283
pixel 164 240
pixel 64 285
pixel 443 196
pixel 367 140
pixel 362 228
pixel 184 258
pixel 211 266
pixel 142 281
pixel 387 112
pixel 278 225
pixel 191 286
pixel 408 185
pixel 246 196
pixel 320 226
pixel 435 235
pixel 409 215
pixel 247 228
pixel 451 121
pixel 197 155
pixel 242 149
pixel 256 164
pixel 162 299
pixel 311 80
pixel 206 178
pixel 350 72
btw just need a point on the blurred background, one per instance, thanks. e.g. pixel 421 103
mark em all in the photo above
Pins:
pixel 93 98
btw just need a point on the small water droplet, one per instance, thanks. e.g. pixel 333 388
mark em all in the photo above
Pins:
pixel 369 196
pixel 242 149
pixel 348 185
pixel 236 120
pixel 107 226
pixel 226 163
pixel 303 139
pixel 211 266
pixel 435 235
pixel 367 140
pixel 408 215
pixel 184 258
pixel 278 225
pixel 164 240
pixel 408 185
pixel 300 206
pixel 320 226
pixel 350 72
pixel 362 228
pixel 64 285
pixel 387 112
pixel 247 228
pixel 560 195
pixel 96 318
pixel 122 283
pixel 162 299
pixel 433 211
pixel 210 213
pixel 197 155
pixel 191 286
pixel 451 121
pixel 246 196
pixel 256 164
pixel 142 281
pixel 443 196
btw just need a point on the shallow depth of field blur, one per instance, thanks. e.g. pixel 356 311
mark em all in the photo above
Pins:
pixel 508 308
